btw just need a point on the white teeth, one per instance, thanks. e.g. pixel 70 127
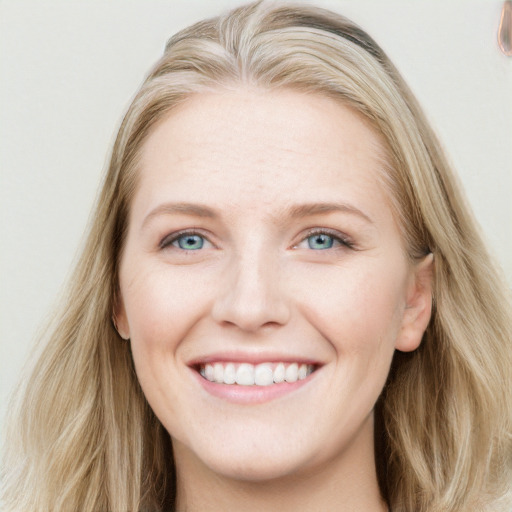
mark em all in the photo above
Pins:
pixel 292 373
pixel 208 372
pixel 263 374
pixel 229 374
pixel 218 372
pixel 245 375
pixel 279 373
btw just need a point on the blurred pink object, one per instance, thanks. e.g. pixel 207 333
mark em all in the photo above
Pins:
pixel 505 29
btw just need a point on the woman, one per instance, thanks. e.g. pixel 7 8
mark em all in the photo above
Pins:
pixel 283 301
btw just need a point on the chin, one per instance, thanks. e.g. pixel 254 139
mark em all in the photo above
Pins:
pixel 245 460
pixel 258 469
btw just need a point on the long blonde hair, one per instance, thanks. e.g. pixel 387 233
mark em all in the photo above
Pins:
pixel 83 436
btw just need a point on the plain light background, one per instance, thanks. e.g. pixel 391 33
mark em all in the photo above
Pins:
pixel 69 68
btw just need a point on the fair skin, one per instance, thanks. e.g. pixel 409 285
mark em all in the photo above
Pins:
pixel 260 233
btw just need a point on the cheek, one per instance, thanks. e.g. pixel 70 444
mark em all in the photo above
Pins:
pixel 161 306
pixel 358 309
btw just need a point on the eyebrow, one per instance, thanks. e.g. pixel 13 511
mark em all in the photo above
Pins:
pixel 307 210
pixel 194 210
pixel 294 211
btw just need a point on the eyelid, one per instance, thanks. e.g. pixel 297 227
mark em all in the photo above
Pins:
pixel 342 238
pixel 168 239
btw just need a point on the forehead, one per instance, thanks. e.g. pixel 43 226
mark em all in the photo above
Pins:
pixel 249 147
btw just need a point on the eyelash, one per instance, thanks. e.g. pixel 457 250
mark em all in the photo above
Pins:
pixel 336 235
pixel 168 240
pixel 342 239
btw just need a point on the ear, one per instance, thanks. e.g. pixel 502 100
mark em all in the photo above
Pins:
pixel 119 317
pixel 418 308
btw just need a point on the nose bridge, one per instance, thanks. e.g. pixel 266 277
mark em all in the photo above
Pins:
pixel 251 294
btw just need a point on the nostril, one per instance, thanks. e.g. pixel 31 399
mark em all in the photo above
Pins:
pixel 250 313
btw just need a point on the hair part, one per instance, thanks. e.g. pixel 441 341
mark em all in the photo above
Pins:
pixel 85 437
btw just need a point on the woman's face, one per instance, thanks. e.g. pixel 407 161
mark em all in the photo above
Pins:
pixel 261 247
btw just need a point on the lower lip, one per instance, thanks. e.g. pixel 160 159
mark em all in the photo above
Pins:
pixel 251 394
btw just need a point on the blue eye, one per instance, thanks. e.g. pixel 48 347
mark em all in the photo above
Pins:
pixel 320 241
pixel 189 242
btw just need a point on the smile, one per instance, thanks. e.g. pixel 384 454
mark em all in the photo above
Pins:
pixel 263 374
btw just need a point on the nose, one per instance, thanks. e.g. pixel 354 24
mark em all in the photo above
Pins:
pixel 250 295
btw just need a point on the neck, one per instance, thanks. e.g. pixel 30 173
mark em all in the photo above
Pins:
pixel 347 483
